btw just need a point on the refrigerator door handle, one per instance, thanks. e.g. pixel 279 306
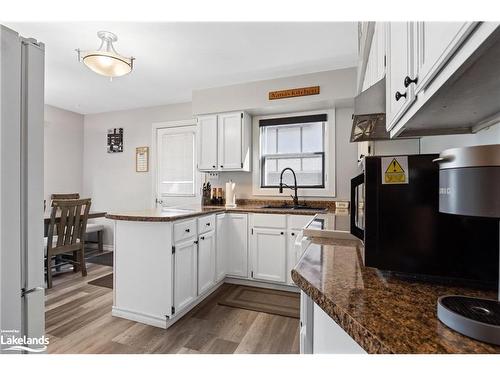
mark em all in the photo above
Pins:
pixel 37 289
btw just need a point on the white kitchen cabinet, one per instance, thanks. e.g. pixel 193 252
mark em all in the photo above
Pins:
pixel 400 64
pixel 207 142
pixel 296 224
pixel 224 142
pixel 375 67
pixel 236 249
pixel 435 44
pixel 268 251
pixel 185 273
pixel 206 261
pixel 306 324
pixel 220 244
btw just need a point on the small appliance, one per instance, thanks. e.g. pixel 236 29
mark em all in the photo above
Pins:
pixel 469 184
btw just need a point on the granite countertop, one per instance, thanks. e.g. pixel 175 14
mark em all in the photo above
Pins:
pixel 381 312
pixel 172 214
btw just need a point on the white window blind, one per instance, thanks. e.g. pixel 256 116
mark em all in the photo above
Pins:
pixel 297 143
pixel 176 161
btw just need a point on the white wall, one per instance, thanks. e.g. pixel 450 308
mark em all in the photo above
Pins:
pixel 346 164
pixel 436 144
pixel 337 87
pixel 63 152
pixel 110 179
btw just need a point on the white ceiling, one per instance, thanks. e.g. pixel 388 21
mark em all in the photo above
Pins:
pixel 172 59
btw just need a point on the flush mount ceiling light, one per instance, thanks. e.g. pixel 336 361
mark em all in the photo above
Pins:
pixel 105 60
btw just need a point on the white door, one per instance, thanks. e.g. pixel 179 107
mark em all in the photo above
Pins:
pixel 177 179
pixel 220 244
pixel 268 251
pixel 436 43
pixel 206 261
pixel 400 65
pixel 207 143
pixel 237 245
pixel 230 130
pixel 185 274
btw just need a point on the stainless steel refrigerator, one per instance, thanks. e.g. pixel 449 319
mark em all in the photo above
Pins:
pixel 21 193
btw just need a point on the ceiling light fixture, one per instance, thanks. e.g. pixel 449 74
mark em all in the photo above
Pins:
pixel 105 60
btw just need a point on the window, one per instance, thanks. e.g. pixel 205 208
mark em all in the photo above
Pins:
pixel 297 143
pixel 176 161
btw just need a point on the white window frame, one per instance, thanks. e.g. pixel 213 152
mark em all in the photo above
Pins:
pixel 174 199
pixel 330 159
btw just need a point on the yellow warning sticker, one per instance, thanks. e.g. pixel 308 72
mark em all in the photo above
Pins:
pixel 395 170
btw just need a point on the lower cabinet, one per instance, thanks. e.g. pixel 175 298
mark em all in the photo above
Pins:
pixel 268 249
pixel 185 273
pixel 320 334
pixel 220 245
pixel 236 244
pixel 206 261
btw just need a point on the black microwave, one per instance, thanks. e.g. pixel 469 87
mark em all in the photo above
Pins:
pixel 358 206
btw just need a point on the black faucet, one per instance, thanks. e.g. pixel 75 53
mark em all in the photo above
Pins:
pixel 294 197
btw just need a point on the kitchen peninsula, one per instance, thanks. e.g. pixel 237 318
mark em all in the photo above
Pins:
pixel 168 260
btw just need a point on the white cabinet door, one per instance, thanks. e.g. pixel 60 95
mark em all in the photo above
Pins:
pixel 269 254
pixel 400 64
pixel 185 274
pixel 436 43
pixel 220 244
pixel 206 261
pixel 207 143
pixel 291 261
pixel 230 130
pixel 237 245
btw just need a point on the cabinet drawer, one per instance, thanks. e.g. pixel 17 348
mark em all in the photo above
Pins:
pixel 206 224
pixel 184 230
pixel 269 220
pixel 298 221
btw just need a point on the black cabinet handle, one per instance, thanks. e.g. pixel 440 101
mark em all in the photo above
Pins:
pixel 188 230
pixel 282 233
pixel 408 81
pixel 399 95
pixel 202 238
pixel 222 166
pixel 207 224
pixel 196 242
pixel 293 234
pixel 213 166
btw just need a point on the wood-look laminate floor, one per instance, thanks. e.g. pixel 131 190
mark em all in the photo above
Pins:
pixel 78 320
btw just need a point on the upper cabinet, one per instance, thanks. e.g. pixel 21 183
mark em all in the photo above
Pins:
pixel 437 74
pixel 224 142
pixel 400 64
pixel 207 143
pixel 435 43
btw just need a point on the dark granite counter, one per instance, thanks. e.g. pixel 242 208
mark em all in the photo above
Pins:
pixel 381 312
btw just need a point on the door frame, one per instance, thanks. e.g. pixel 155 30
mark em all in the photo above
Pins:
pixel 154 142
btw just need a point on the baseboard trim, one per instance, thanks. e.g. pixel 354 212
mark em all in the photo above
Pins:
pixel 261 284
pixel 152 320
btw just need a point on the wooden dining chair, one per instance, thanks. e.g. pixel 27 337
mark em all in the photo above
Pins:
pixel 91 227
pixel 66 233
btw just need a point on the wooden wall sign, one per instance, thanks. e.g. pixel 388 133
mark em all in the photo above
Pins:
pixel 292 93
pixel 142 159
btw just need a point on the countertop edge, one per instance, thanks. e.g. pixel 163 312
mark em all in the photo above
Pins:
pixel 362 336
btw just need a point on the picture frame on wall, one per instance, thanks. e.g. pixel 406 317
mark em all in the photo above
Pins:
pixel 115 140
pixel 142 159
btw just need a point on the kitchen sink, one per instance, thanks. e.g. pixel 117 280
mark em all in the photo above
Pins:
pixel 299 207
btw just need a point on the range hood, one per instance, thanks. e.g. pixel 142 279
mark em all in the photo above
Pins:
pixel 368 120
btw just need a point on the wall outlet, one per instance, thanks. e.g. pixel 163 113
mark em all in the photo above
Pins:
pixel 213 176
pixel 341 204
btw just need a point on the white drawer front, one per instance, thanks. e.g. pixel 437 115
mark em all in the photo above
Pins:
pixel 269 221
pixel 184 230
pixel 298 221
pixel 206 224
